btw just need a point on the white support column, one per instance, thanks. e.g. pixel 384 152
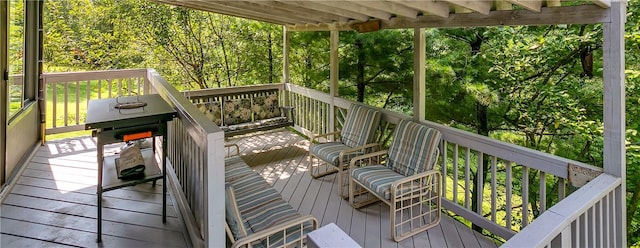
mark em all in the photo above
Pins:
pixel 215 235
pixel 614 112
pixel 419 57
pixel 334 62
pixel 285 65
pixel 285 55
pixel 334 68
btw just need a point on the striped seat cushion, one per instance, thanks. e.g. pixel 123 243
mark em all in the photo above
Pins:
pixel 377 178
pixel 414 148
pixel 330 152
pixel 235 169
pixel 260 206
pixel 360 125
pixel 232 213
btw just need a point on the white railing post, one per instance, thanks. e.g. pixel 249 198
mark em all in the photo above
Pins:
pixel 614 111
pixel 215 211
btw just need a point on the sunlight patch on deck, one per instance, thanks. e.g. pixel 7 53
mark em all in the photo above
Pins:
pixel 72 163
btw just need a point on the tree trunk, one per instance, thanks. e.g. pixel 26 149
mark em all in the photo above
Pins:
pixel 633 206
pixel 309 68
pixel 483 129
pixel 360 68
pixel 270 42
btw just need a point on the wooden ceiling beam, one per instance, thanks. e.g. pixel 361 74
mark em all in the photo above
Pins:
pixel 252 8
pixel 602 3
pixel 554 3
pixel 581 14
pixel 480 6
pixel 350 6
pixel 503 5
pixel 326 17
pixel 388 6
pixel 440 9
pixel 328 9
pixel 321 27
pixel 533 5
pixel 206 7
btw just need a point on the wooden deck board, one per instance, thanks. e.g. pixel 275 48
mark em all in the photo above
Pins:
pixel 117 229
pixel 53 204
pixel 372 226
pixel 17 241
pixel 69 236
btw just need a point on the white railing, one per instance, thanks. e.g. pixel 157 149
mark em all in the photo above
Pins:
pixel 514 174
pixel 68 93
pixel 195 145
pixel 196 158
pixel 586 218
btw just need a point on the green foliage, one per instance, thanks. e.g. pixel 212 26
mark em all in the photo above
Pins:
pixel 89 35
pixel 16 55
pixel 309 59
pixel 632 54
pixel 386 67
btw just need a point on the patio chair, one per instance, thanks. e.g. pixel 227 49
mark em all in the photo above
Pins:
pixel 356 138
pixel 402 177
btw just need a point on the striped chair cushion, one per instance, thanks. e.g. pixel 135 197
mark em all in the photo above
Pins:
pixel 330 152
pixel 232 214
pixel 260 206
pixel 360 125
pixel 377 178
pixel 235 169
pixel 414 148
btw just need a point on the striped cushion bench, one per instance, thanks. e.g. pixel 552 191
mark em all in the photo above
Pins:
pixel 266 218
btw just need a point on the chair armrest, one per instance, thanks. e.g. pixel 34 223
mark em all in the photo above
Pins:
pixel 345 152
pixel 367 156
pixel 315 136
pixel 228 147
pixel 299 222
pixel 422 178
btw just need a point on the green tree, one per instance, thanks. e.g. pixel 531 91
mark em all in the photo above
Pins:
pixel 377 65
pixel 89 35
pixel 633 121
pixel 209 50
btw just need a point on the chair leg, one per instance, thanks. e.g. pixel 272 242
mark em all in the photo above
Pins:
pixel 341 184
pixel 315 172
pixel 352 195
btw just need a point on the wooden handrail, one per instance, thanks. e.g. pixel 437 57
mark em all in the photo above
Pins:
pixel 555 227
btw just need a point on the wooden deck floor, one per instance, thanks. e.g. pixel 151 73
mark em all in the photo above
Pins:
pixel 54 202
pixel 281 158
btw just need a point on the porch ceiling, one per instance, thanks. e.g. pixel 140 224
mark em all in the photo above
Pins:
pixel 365 15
